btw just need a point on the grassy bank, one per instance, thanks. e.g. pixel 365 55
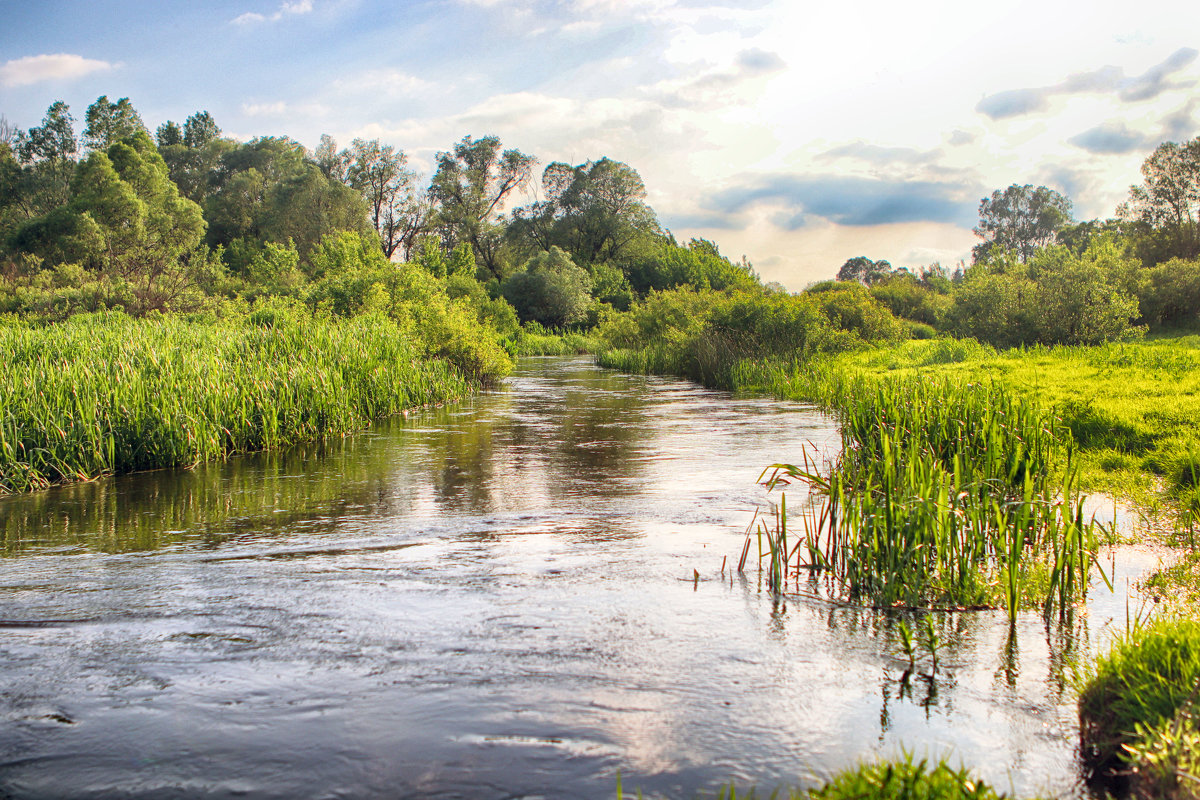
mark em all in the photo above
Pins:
pixel 106 393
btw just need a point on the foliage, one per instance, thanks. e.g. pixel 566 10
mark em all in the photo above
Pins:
pixel 864 270
pixel 1167 204
pixel 1171 295
pixel 549 290
pixel 1021 219
pixel 595 211
pixel 1141 699
pixel 699 265
pixel 107 393
pixel 907 297
pixel 109 123
pixel 851 307
pixel 471 185
pixel 1057 297
pixel 352 277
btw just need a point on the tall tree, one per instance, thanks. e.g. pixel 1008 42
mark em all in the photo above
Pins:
pixel 199 129
pixel 864 270
pixel 1167 204
pixel 379 172
pixel 470 187
pixel 1022 219
pixel 109 123
pixel 47 156
pixel 594 211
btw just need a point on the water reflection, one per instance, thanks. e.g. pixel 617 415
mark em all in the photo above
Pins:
pixel 517 596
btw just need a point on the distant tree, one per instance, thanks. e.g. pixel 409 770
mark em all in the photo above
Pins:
pixel 595 211
pixel 54 140
pixel 199 129
pixel 1020 218
pixel 333 162
pixel 109 123
pixel 380 174
pixel 38 180
pixel 127 219
pixel 1167 204
pixel 864 270
pixel 470 187
pixel 169 134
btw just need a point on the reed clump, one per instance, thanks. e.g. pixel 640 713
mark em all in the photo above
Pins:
pixel 944 495
pixel 106 393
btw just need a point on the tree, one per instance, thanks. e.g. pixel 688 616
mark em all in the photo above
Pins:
pixel 379 173
pixel 550 290
pixel 127 219
pixel 594 211
pixel 169 134
pixel 470 187
pixel 54 140
pixel 1167 204
pixel 864 270
pixel 199 129
pixel 1021 219
pixel 109 123
pixel 193 153
pixel 47 158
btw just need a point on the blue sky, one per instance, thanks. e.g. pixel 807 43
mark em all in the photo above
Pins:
pixel 798 134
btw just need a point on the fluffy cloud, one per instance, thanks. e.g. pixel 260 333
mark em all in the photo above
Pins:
pixel 1106 80
pixel 59 66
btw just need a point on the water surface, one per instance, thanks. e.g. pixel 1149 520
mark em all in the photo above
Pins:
pixel 513 597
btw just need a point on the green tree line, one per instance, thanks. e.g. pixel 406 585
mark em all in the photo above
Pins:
pixel 116 216
pixel 169 221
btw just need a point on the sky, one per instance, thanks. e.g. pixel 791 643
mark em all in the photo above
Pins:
pixel 795 133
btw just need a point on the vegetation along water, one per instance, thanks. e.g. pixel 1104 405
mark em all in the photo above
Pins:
pixel 181 296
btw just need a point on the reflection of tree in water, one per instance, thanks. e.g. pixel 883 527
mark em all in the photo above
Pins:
pixel 542 442
pixel 497 452
pixel 246 497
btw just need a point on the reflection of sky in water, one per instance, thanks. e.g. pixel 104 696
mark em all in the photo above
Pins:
pixel 515 596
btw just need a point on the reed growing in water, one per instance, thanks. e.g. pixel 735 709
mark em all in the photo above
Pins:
pixel 107 393
pixel 944 495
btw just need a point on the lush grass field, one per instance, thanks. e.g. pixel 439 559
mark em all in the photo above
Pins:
pixel 1133 408
pixel 107 393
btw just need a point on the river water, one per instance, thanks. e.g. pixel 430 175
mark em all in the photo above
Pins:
pixel 519 596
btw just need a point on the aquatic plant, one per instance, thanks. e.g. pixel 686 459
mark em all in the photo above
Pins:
pixel 944 496
pixel 106 393
pixel 903 778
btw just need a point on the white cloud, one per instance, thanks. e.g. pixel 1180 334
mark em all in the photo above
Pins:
pixel 264 109
pixel 59 66
pixel 286 9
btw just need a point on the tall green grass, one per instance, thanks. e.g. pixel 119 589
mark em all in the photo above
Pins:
pixel 106 393
pixel 1139 709
pixel 943 495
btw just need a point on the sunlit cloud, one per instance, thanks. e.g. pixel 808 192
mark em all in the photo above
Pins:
pixel 59 66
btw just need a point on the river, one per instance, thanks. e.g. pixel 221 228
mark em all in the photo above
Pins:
pixel 518 596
